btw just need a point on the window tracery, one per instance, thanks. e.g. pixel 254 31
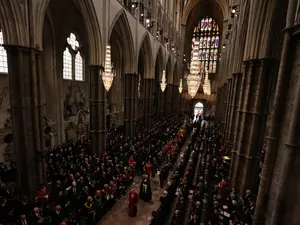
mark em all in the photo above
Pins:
pixel 207 33
pixel 3 56
pixel 72 60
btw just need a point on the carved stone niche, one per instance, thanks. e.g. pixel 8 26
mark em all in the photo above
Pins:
pixel 70 131
pixel 74 101
pixel 49 131
pixel 7 144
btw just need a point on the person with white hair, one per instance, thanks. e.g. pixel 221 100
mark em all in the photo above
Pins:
pixel 145 189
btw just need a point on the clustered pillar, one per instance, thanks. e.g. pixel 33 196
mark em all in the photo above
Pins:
pixel 169 100
pixel 148 101
pixel 27 116
pixel 97 110
pixel 130 104
pixel 250 122
pixel 224 104
pixel 161 104
pixel 275 132
pixel 176 100
pixel 218 106
pixel 228 108
pixel 236 85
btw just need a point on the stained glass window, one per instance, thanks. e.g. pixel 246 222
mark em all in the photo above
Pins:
pixel 73 64
pixel 207 33
pixel 3 56
pixel 67 70
pixel 78 67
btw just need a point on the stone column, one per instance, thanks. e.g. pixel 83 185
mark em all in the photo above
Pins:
pixel 285 205
pixel 228 108
pixel 153 100
pixel 253 104
pixel 130 97
pixel 217 113
pixel 161 103
pixel 168 100
pixel 148 102
pixel 24 69
pixel 221 103
pixel 236 84
pixel 274 132
pixel 236 130
pixel 175 100
pixel 181 102
pixel 97 110
pixel 224 105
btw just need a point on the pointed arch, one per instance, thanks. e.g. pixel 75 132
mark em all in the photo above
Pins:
pixel 90 19
pixel 195 5
pixel 120 32
pixel 146 50
pixel 12 24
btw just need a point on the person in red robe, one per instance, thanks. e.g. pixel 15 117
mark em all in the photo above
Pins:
pixel 131 160
pixel 148 168
pixel 133 202
pixel 42 195
pixel 222 186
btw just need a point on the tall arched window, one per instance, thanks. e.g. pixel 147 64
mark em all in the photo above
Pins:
pixel 3 56
pixel 72 60
pixel 207 33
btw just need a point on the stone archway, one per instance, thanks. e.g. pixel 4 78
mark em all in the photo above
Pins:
pixel 62 96
pixel 122 55
pixel 198 109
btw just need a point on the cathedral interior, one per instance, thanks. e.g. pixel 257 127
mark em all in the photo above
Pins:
pixel 161 112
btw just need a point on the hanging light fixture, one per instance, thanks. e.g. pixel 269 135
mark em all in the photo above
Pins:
pixel 193 81
pixel 108 75
pixel 180 86
pixel 163 83
pixel 194 78
pixel 206 85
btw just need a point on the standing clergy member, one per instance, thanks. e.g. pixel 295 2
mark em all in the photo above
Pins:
pixel 133 202
pixel 145 189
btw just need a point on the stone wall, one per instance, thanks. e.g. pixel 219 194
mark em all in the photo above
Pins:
pixel 5 120
pixel 291 204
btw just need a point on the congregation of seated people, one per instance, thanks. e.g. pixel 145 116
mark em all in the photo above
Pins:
pixel 202 194
pixel 83 187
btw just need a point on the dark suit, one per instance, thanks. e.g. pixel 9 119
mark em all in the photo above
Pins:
pixel 23 208
pixel 4 213
pixel 23 222
pixel 56 218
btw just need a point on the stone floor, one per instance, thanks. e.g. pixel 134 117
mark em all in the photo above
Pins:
pixel 119 213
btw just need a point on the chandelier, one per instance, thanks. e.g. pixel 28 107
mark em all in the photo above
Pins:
pixel 194 78
pixel 163 83
pixel 108 75
pixel 206 85
pixel 193 81
pixel 180 86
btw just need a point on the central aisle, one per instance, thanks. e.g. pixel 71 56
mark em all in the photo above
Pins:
pixel 118 215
